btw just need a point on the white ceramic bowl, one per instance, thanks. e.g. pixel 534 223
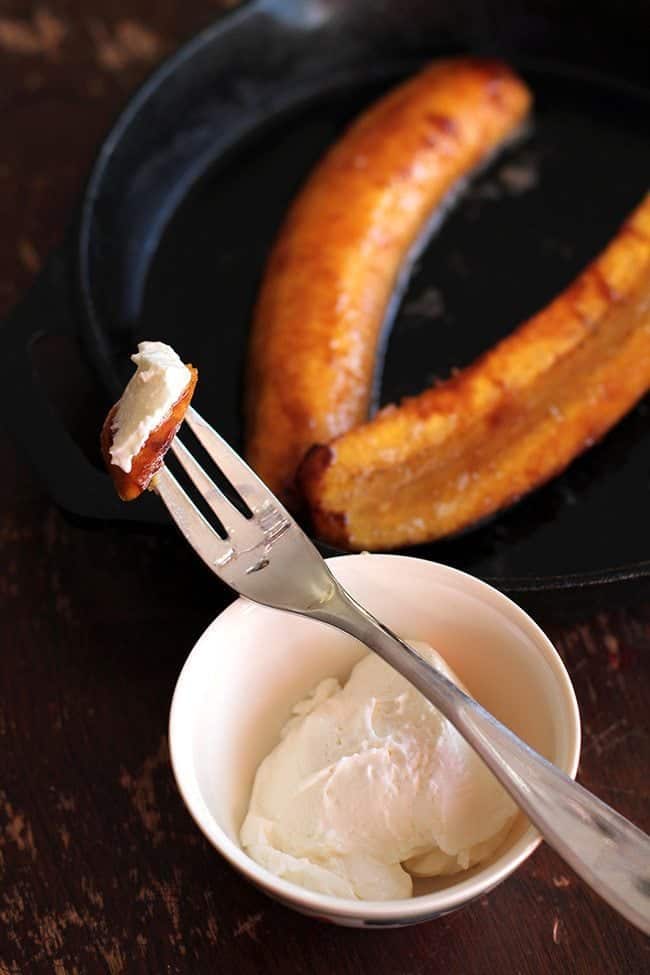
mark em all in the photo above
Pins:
pixel 252 664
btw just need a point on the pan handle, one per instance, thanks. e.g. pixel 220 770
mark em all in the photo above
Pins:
pixel 73 482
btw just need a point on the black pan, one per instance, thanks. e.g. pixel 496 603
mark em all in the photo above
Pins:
pixel 190 187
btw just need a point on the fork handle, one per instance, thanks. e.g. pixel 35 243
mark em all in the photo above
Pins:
pixel 603 847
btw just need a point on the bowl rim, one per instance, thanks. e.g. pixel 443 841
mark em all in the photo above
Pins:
pixel 403 911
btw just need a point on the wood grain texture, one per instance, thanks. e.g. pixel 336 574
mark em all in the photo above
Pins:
pixel 101 869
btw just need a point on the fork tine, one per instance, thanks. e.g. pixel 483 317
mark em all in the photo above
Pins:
pixel 229 462
pixel 214 551
pixel 226 512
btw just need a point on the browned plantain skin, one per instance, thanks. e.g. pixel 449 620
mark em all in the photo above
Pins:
pixel 513 419
pixel 335 264
pixel 148 460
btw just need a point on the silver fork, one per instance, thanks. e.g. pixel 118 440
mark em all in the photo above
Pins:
pixel 270 560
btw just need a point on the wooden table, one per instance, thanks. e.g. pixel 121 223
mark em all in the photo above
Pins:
pixel 101 868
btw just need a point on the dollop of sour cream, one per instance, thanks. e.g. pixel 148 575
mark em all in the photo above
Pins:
pixel 156 386
pixel 369 786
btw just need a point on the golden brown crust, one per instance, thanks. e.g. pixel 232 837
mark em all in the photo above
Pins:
pixel 334 266
pixel 513 419
pixel 148 460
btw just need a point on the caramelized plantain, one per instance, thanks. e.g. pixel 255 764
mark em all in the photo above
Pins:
pixel 347 238
pixel 510 421
pixel 151 455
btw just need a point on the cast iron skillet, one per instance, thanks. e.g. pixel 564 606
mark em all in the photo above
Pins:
pixel 189 189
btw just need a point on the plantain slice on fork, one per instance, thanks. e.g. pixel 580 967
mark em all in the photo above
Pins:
pixel 348 240
pixel 146 418
pixel 516 417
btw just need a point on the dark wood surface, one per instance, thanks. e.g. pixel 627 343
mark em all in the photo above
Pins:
pixel 101 868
